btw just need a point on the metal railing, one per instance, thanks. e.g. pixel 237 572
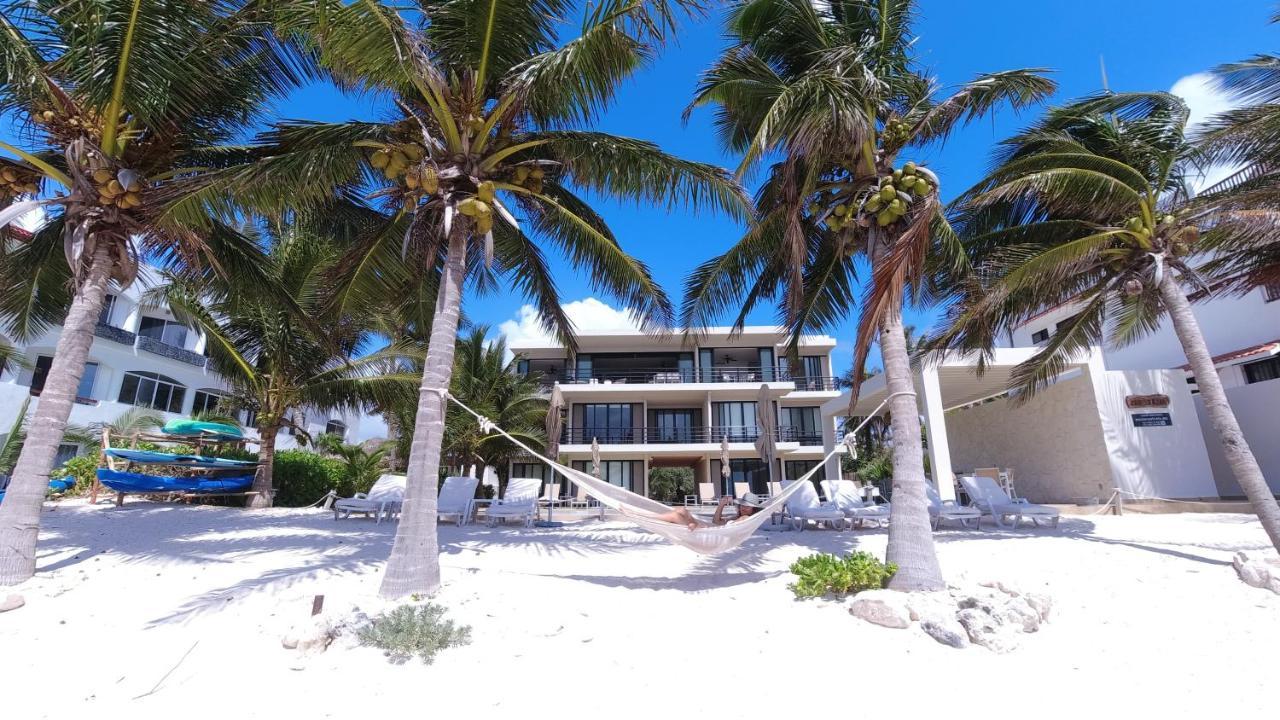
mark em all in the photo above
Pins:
pixel 661 376
pixel 162 349
pixel 682 435
pixel 114 334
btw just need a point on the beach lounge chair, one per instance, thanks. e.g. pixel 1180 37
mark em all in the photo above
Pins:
pixel 457 499
pixel 941 510
pixel 520 502
pixel 845 495
pixel 707 493
pixel 740 489
pixel 804 507
pixel 382 500
pixel 580 498
pixel 775 488
pixel 550 495
pixel 991 499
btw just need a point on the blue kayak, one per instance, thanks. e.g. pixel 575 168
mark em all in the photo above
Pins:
pixel 200 428
pixel 147 457
pixel 127 482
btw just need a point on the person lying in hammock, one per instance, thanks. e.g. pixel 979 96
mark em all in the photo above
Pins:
pixel 747 505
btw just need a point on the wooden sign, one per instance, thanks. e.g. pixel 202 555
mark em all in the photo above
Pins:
pixel 1152 419
pixel 1134 402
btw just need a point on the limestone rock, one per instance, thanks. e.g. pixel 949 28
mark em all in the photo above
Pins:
pixel 926 605
pixel 887 608
pixel 998 585
pixel 988 631
pixel 947 631
pixel 1042 604
pixel 316 633
pixel 1258 571
pixel 12 602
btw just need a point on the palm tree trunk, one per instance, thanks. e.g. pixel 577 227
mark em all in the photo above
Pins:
pixel 910 531
pixel 263 480
pixel 20 512
pixel 1243 464
pixel 414 565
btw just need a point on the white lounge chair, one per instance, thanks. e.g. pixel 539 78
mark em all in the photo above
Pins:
pixel 550 495
pixel 382 500
pixel 991 499
pixel 707 494
pixel 520 502
pixel 740 489
pixel 941 510
pixel 804 507
pixel 845 495
pixel 457 499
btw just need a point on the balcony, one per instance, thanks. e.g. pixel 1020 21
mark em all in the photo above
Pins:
pixel 683 435
pixel 114 334
pixel 718 375
pixel 157 347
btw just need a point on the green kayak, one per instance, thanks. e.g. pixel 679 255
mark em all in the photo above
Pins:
pixel 198 428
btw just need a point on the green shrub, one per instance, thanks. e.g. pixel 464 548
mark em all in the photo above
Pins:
pixel 302 477
pixel 825 574
pixel 408 631
pixel 83 468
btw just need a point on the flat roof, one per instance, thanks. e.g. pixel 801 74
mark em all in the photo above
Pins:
pixel 678 336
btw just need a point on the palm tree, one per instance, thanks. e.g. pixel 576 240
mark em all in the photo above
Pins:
pixel 121 106
pixel 1092 206
pixel 487 94
pixel 284 350
pixel 487 382
pixel 832 92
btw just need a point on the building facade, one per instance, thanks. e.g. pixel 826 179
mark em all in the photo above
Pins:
pixel 1243 335
pixel 669 401
pixel 143 357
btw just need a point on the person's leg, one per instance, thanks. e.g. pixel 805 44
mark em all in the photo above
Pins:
pixel 681 516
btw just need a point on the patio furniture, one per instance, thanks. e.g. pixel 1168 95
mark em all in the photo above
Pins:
pixel 803 507
pixel 740 489
pixel 551 495
pixel 847 496
pixel 667 377
pixel 520 502
pixel 457 499
pixel 991 499
pixel 382 500
pixel 707 494
pixel 942 510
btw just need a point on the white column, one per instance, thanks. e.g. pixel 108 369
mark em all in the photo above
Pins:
pixel 832 469
pixel 936 426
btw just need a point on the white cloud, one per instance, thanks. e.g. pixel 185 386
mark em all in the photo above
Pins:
pixel 586 314
pixel 1204 100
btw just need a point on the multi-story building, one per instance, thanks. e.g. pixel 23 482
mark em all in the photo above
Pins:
pixel 143 357
pixel 669 401
pixel 1243 334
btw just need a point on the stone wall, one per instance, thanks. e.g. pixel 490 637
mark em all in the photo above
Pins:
pixel 1054 443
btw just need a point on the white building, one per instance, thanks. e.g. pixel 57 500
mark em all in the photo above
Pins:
pixel 667 401
pixel 1243 334
pixel 142 357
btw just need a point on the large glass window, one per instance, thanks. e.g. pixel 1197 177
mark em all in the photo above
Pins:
pixel 812 370
pixel 736 420
pixel 802 425
pixel 673 426
pixel 752 471
pixel 607 422
pixel 767 365
pixel 795 469
pixel 336 427
pixel 148 389
pixel 1262 370
pixel 206 401
pixel 165 331
pixel 40 375
pixel 530 470
pixel 623 473
pixel 108 310
pixel 66 451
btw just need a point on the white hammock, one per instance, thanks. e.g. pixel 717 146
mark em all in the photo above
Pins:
pixel 645 512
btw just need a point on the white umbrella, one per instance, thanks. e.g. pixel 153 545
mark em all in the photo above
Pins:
pixel 765 443
pixel 595 458
pixel 725 471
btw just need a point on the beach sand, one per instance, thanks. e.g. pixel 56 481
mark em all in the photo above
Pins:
pixel 166 611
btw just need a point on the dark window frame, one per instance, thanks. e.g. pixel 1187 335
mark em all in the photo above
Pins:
pixel 134 380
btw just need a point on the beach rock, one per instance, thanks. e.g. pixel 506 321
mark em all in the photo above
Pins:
pixel 947 631
pixel 926 605
pixel 1258 571
pixel 998 585
pixel 988 631
pixel 887 608
pixel 314 635
pixel 1042 604
pixel 12 602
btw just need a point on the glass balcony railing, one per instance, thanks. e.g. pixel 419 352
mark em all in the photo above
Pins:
pixel 661 376
pixel 682 435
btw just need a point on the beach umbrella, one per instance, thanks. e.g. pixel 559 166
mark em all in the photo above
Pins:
pixel 765 443
pixel 595 458
pixel 725 471
pixel 553 424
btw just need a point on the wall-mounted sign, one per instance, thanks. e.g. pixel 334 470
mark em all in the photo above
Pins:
pixel 1152 419
pixel 1134 402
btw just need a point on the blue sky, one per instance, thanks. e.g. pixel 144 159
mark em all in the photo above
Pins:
pixel 1147 45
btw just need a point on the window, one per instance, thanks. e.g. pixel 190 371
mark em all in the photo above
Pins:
pixel 1262 370
pixel 752 471
pixel 40 375
pixel 737 420
pixel 609 423
pixel 812 368
pixel 206 401
pixel 108 309
pixel 148 389
pixel 673 426
pixel 336 427
pixel 531 470
pixel 249 418
pixel 795 469
pixel 1040 336
pixel 1271 291
pixel 66 451
pixel 622 473
pixel 165 331
pixel 801 424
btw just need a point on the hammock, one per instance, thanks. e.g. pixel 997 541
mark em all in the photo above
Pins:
pixel 645 512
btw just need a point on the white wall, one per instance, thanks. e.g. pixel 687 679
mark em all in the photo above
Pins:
pixel 1054 443
pixel 1169 462
pixel 1256 407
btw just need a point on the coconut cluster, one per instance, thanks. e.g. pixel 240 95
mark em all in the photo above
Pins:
pixel 891 200
pixel 480 207
pixel 15 181
pixel 121 188
pixel 895 132
pixel 528 177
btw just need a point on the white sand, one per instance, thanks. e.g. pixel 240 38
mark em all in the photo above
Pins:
pixel 602 620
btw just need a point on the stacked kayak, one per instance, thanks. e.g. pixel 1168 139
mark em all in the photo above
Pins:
pixel 228 481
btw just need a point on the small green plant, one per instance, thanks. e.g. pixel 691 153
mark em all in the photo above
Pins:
pixel 83 468
pixel 413 630
pixel 825 574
